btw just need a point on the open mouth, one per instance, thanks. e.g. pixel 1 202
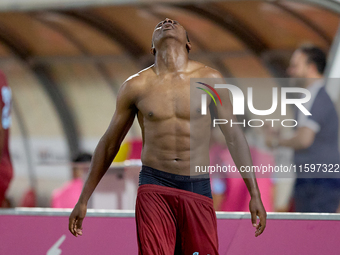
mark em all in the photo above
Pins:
pixel 167 26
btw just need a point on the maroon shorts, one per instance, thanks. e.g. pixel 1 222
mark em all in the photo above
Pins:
pixel 172 222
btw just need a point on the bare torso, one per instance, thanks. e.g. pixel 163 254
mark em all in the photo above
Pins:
pixel 176 135
pixel 163 105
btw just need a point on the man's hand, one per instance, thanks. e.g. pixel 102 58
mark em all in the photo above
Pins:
pixel 256 208
pixel 270 141
pixel 76 219
pixel 271 136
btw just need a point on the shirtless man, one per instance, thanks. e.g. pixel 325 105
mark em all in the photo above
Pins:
pixel 174 213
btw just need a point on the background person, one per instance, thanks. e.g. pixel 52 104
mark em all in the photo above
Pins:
pixel 228 189
pixel 315 141
pixel 67 196
pixel 6 169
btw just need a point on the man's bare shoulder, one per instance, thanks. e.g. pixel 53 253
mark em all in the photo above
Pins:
pixel 136 82
pixel 204 71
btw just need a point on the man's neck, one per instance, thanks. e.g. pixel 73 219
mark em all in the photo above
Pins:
pixel 311 80
pixel 170 59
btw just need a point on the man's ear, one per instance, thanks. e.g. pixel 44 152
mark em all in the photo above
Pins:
pixel 313 68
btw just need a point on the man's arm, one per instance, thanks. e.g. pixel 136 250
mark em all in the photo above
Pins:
pixel 240 153
pixel 105 152
pixel 302 139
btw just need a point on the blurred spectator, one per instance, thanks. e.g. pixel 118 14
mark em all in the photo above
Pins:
pixel 6 170
pixel 67 196
pixel 135 152
pixel 228 190
pixel 283 181
pixel 6 203
pixel 315 140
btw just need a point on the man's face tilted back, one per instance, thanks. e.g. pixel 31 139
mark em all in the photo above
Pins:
pixel 169 29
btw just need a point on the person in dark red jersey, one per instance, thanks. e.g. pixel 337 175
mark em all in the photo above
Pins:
pixel 174 212
pixel 6 170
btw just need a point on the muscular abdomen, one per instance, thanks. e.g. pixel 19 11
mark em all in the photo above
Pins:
pixel 169 147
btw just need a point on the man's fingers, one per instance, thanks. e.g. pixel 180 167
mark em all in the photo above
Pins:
pixel 71 225
pixel 261 226
pixel 78 226
pixel 262 223
pixel 253 218
pixel 75 226
pixel 76 220
pixel 79 223
pixel 259 230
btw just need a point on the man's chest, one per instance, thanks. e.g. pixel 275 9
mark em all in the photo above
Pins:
pixel 165 98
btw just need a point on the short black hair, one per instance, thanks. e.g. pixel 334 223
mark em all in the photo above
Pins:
pixel 154 50
pixel 82 157
pixel 316 56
